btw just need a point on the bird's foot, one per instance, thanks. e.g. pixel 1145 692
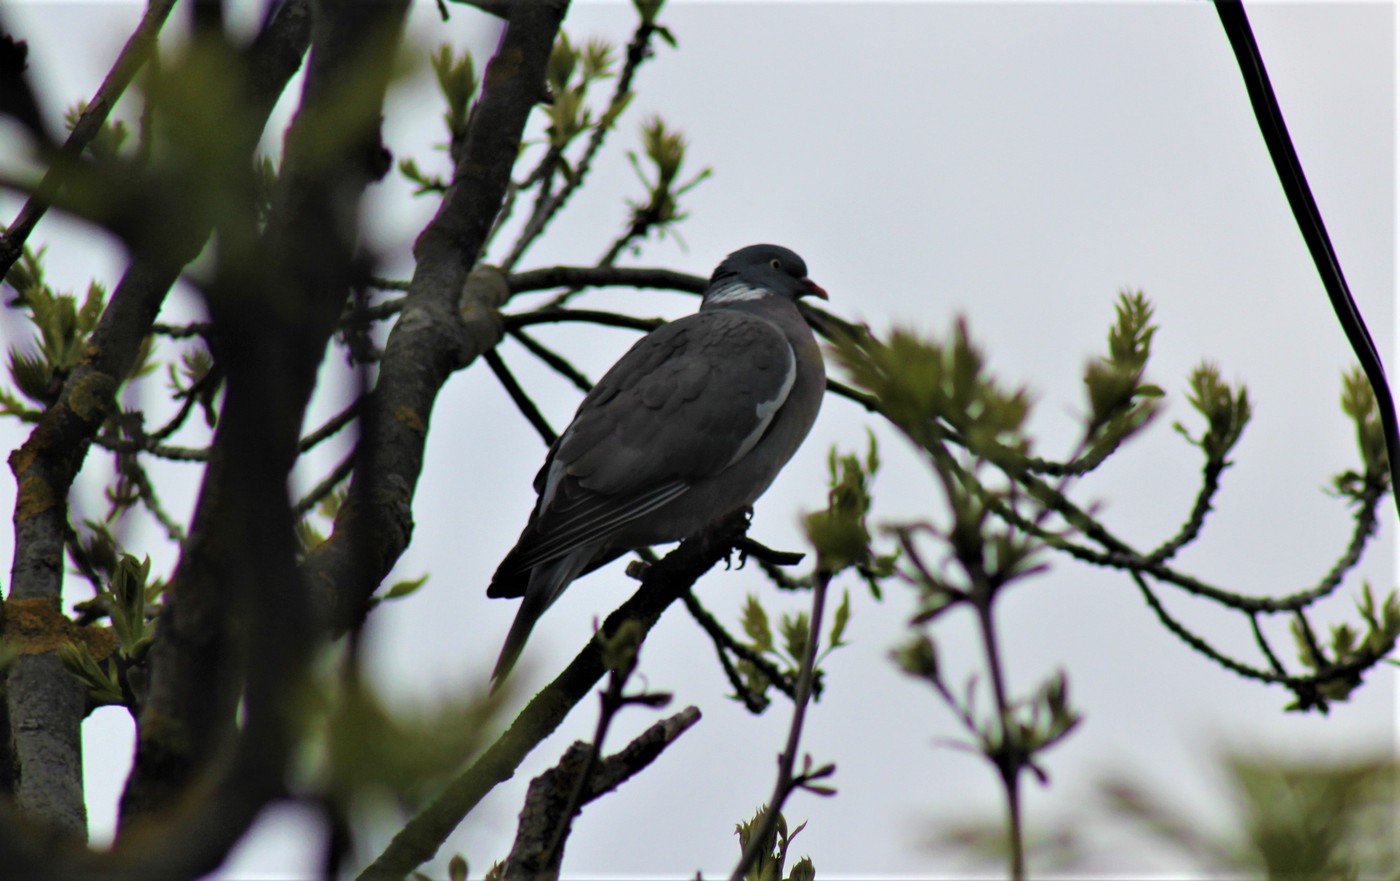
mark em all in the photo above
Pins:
pixel 747 547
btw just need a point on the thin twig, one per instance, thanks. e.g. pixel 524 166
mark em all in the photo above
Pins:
pixel 1264 645
pixel 1210 484
pixel 543 176
pixel 1009 759
pixel 161 451
pixel 1201 645
pixel 611 701
pixel 787 760
pixel 555 361
pixel 388 284
pixel 183 331
pixel 130 465
pixel 325 487
pixel 190 397
pixel 522 400
pixel 377 312
pixel 139 47
pixel 591 316
pixel 840 389
pixel 547 206
pixel 332 426
pixel 725 644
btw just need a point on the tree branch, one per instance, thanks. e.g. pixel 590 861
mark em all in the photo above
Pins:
pixel 553 277
pixel 663 584
pixel 558 363
pixel 549 794
pixel 522 400
pixel 638 50
pixel 446 324
pixel 1309 218
pixel 40 691
pixel 788 780
pixel 235 629
pixel 591 316
pixel 724 644
pixel 138 48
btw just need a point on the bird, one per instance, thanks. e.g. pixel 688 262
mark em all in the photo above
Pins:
pixel 692 423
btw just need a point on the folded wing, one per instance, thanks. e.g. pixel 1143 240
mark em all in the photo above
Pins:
pixel 686 402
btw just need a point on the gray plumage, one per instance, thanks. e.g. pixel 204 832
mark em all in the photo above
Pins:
pixel 693 422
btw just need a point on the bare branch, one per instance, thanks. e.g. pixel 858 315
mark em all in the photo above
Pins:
pixel 590 316
pixel 1210 484
pixel 138 48
pixel 548 796
pixel 331 428
pixel 605 276
pixel 446 324
pixel 664 582
pixel 557 362
pixel 325 487
pixel 146 445
pixel 183 331
pixel 522 400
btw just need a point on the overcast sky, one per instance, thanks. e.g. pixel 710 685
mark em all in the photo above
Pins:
pixel 1014 164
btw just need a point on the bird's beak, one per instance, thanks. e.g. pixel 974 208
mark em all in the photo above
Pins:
pixel 814 289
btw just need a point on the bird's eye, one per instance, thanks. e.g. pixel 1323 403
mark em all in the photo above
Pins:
pixel 775 263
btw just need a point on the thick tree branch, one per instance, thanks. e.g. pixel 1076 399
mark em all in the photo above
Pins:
pixel 236 626
pixel 45 704
pixel 446 324
pixel 17 99
pixel 664 583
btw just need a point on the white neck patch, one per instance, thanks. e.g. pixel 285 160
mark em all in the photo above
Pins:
pixel 736 292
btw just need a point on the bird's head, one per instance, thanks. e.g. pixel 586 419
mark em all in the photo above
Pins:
pixel 761 271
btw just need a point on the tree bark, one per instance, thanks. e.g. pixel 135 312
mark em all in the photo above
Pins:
pixel 445 325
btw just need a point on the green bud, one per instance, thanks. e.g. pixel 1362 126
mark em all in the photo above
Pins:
pixel 620 650
pixel 457 868
pixel 918 658
pixel 803 870
pixel 561 63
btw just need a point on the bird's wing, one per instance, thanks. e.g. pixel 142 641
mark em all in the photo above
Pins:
pixel 686 402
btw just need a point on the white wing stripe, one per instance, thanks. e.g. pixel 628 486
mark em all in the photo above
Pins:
pixel 767 409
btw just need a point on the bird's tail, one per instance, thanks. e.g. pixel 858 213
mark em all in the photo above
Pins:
pixel 547 582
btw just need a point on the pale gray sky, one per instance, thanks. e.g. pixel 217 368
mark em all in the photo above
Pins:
pixel 1016 164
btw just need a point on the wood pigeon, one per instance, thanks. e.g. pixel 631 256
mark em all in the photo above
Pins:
pixel 693 423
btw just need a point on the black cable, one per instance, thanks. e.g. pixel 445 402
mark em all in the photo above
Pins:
pixel 1309 219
